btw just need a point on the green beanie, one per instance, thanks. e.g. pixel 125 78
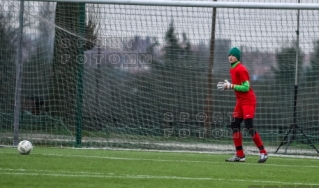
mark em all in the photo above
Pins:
pixel 235 52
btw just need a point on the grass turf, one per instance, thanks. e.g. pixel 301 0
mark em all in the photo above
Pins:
pixel 49 167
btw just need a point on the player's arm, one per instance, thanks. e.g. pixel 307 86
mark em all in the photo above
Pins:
pixel 244 80
pixel 244 87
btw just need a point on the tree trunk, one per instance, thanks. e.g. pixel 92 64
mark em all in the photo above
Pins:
pixel 209 99
pixel 63 95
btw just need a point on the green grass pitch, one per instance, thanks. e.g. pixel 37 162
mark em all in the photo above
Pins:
pixel 52 167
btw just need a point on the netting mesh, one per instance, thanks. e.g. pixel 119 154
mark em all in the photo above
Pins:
pixel 105 75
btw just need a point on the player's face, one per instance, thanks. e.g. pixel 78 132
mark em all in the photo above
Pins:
pixel 232 59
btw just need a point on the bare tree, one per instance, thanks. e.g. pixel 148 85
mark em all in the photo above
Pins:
pixel 70 39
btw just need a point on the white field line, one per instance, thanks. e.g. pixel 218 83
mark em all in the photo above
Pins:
pixel 178 161
pixel 278 156
pixel 51 171
pixel 285 157
pixel 179 146
pixel 25 172
pixel 293 157
pixel 209 149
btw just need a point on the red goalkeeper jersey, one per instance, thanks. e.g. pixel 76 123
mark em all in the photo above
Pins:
pixel 239 74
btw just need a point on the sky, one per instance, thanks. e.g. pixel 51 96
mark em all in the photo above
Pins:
pixel 263 30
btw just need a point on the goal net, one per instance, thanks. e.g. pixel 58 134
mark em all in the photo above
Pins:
pixel 144 77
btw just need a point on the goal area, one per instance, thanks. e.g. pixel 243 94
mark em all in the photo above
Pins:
pixel 143 74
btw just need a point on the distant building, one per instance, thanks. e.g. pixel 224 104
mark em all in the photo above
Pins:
pixel 128 54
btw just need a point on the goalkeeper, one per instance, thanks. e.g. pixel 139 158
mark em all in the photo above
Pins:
pixel 245 106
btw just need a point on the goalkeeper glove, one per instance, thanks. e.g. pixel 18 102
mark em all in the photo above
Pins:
pixel 225 85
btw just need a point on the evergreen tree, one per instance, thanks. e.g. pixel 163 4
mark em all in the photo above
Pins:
pixel 312 72
pixel 8 38
pixel 285 79
pixel 172 47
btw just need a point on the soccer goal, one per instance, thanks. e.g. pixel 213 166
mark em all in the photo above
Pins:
pixel 143 74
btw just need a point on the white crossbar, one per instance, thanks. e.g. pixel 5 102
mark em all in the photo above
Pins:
pixel 300 6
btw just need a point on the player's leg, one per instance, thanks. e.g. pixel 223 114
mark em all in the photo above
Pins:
pixel 237 136
pixel 254 135
pixel 249 112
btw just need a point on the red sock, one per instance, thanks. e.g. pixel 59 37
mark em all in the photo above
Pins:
pixel 237 136
pixel 259 143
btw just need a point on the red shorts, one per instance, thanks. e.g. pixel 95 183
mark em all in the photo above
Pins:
pixel 244 111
